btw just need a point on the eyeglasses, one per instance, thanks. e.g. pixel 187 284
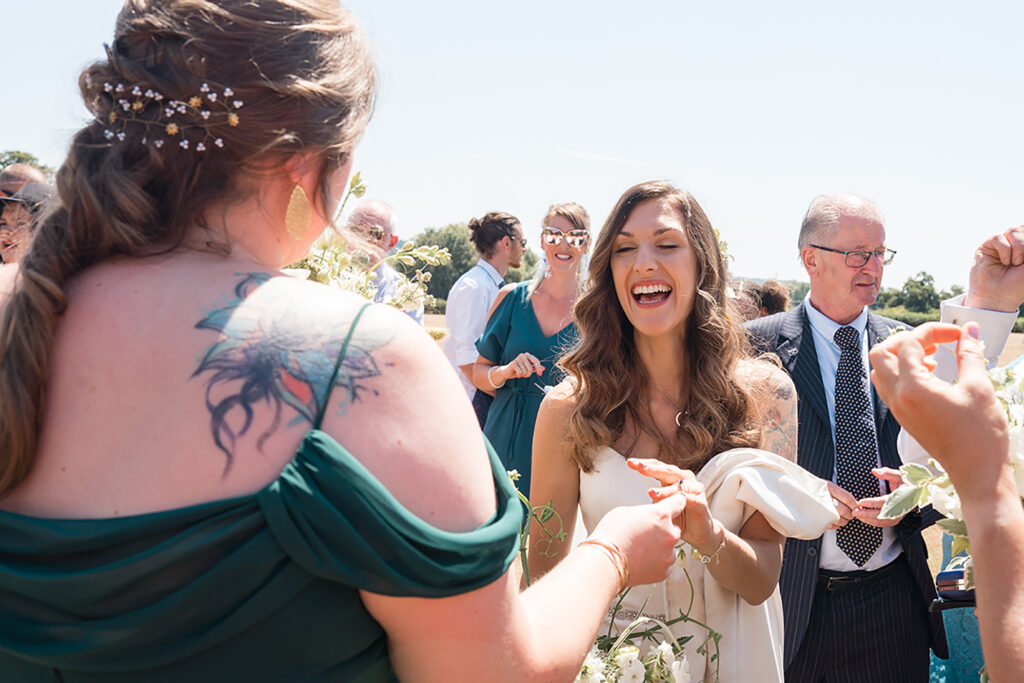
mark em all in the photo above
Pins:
pixel 574 238
pixel 859 259
pixel 518 238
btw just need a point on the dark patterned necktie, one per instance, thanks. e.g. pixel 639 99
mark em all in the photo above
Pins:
pixel 856 445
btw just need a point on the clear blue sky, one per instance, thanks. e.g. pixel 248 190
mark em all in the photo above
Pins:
pixel 754 107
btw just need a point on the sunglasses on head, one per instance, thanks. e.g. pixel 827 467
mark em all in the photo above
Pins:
pixel 574 238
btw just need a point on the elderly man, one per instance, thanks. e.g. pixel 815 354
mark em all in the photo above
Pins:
pixel 855 600
pixel 16 176
pixel 375 220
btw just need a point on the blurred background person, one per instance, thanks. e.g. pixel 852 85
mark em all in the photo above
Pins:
pixel 528 330
pixel 498 239
pixel 18 215
pixel 16 176
pixel 375 221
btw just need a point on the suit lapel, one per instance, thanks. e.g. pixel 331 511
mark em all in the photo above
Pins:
pixel 800 359
pixel 877 330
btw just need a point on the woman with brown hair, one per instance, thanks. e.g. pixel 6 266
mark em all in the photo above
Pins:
pixel 661 392
pixel 212 471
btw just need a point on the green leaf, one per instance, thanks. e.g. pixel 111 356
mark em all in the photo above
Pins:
pixel 901 501
pixel 546 514
pixel 915 474
pixel 953 526
pixel 961 544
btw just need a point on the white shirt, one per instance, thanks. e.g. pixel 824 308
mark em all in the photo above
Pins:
pixel 995 328
pixel 469 302
pixel 823 330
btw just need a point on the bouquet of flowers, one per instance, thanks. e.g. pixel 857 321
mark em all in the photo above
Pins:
pixel 923 485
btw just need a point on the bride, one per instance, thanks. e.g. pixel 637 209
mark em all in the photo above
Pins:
pixel 660 383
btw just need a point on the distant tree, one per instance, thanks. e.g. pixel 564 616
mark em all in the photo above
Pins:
pixel 888 297
pixel 797 291
pixel 955 290
pixel 918 293
pixel 455 237
pixel 13 156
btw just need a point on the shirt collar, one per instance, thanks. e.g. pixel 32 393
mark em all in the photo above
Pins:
pixel 491 271
pixel 827 327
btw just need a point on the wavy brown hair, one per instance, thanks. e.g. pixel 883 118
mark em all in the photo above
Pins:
pixel 307 80
pixel 610 384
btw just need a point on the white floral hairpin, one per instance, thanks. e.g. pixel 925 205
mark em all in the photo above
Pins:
pixel 175 119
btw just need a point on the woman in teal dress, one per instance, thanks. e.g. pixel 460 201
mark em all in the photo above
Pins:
pixel 529 328
pixel 210 470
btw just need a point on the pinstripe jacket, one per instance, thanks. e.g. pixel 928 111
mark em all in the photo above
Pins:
pixel 788 335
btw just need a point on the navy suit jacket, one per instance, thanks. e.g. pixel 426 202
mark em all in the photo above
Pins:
pixel 788 335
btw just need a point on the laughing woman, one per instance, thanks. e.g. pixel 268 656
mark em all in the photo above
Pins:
pixel 662 394
pixel 529 328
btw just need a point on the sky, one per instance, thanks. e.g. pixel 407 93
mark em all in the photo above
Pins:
pixel 754 107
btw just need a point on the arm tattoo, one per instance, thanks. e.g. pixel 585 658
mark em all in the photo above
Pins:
pixel 269 354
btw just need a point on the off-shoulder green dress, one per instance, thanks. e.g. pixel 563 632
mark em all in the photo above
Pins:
pixel 258 588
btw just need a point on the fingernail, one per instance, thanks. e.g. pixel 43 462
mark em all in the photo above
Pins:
pixel 973 331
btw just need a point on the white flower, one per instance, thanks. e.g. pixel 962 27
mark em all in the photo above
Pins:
pixel 205 87
pixel 107 87
pixel 238 104
pixel 665 653
pixel 593 668
pixel 219 142
pixel 681 671
pixel 228 92
pixel 631 669
pixel 212 96
pixel 200 147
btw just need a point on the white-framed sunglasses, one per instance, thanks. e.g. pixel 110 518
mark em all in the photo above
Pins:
pixel 574 238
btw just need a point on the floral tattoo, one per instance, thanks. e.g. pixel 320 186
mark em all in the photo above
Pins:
pixel 271 355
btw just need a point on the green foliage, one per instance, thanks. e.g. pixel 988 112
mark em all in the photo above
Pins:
pixel 436 306
pixel 918 293
pixel 455 238
pixel 911 318
pixel 13 156
pixel 1019 325
pixel 797 290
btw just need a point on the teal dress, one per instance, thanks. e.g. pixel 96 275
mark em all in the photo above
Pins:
pixel 513 329
pixel 262 587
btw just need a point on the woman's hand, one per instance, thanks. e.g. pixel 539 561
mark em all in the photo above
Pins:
pixel 697 526
pixel 523 365
pixel 647 536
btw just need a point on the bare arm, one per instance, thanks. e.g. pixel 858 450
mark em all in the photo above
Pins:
pixel 963 426
pixel 556 479
pixel 779 416
pixel 493 633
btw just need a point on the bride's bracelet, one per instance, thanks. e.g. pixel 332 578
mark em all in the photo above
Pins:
pixel 617 557
pixel 491 381
pixel 706 559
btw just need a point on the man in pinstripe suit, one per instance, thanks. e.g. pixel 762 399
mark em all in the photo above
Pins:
pixel 860 612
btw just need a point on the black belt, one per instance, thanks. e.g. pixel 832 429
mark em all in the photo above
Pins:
pixel 842 581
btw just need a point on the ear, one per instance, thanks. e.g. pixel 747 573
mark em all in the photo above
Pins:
pixel 809 257
pixel 302 168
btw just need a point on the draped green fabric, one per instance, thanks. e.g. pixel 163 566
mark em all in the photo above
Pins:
pixel 256 588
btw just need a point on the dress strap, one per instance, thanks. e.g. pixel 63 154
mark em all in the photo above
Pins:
pixel 337 367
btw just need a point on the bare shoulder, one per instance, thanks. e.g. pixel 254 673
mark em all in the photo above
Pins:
pixel 560 401
pixel 502 293
pixel 766 379
pixel 399 408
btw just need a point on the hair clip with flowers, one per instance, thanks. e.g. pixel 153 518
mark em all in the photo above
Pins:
pixel 193 121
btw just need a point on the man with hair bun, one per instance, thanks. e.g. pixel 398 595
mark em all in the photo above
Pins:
pixel 498 238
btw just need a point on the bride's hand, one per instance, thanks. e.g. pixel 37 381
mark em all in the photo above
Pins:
pixel 697 526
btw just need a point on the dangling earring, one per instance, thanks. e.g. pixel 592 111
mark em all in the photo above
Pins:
pixel 298 214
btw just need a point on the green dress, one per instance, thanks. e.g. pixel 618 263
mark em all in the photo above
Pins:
pixel 513 329
pixel 258 588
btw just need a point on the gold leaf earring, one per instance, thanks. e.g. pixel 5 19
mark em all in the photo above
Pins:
pixel 298 214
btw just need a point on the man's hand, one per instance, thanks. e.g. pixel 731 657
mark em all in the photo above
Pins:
pixel 868 508
pixel 997 276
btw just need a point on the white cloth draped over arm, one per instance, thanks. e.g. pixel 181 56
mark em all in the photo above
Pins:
pixel 995 327
pixel 796 504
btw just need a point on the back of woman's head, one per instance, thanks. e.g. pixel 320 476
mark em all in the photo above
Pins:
pixel 611 382
pixel 194 98
pixel 485 232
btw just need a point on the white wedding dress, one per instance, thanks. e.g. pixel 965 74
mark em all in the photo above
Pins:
pixel 737 482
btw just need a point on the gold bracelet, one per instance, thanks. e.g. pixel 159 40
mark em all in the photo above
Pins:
pixel 491 381
pixel 617 557
pixel 706 559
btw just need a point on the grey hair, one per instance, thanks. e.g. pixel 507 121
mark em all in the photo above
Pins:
pixel 822 217
pixel 374 212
